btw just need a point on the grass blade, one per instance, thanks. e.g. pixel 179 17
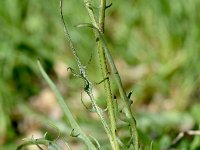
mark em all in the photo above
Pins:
pixel 65 109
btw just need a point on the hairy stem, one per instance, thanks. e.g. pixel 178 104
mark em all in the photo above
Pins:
pixel 102 15
pixel 127 110
pixel 104 69
pixel 89 9
pixel 107 88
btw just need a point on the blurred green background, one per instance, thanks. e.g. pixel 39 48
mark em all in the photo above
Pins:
pixel 156 47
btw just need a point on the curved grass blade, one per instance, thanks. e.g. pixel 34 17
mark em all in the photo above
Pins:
pixel 65 109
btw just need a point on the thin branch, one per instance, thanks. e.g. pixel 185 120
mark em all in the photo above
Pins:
pixel 102 15
pixel 87 85
pixel 104 68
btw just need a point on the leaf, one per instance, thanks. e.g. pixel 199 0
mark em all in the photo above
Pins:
pixel 81 25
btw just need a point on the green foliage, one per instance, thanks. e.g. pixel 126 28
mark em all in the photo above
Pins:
pixel 18 53
pixel 160 38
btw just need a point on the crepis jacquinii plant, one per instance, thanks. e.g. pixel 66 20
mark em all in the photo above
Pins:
pixel 105 58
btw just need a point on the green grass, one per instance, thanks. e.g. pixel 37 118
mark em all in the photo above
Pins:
pixel 159 38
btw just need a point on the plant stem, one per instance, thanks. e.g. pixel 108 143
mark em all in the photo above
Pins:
pixel 102 15
pixel 107 88
pixel 122 92
pixel 104 69
pixel 89 9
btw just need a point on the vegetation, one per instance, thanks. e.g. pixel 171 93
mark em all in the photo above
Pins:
pixel 156 51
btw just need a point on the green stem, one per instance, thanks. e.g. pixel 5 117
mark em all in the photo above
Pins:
pixel 102 15
pixel 90 12
pixel 107 88
pixel 127 110
pixel 104 68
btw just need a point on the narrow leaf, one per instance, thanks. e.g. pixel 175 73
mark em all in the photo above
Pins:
pixel 65 108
